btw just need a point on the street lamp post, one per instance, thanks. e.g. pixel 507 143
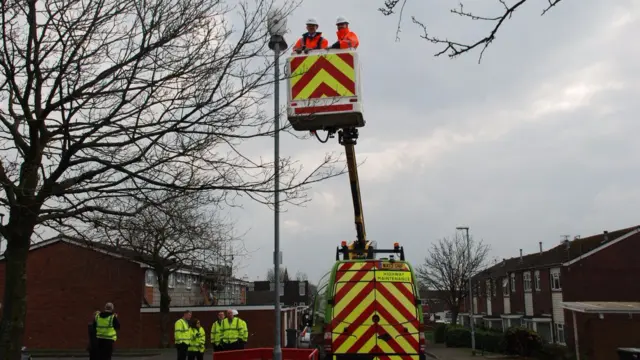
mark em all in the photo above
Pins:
pixel 277 27
pixel 1 237
pixel 473 332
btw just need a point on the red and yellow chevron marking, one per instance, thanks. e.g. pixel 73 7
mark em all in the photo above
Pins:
pixel 398 317
pixel 323 75
pixel 358 297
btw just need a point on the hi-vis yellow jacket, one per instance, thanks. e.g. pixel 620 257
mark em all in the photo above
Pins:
pixel 182 334
pixel 198 340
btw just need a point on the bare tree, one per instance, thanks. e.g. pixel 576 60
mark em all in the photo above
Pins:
pixel 454 48
pixel 284 275
pixel 449 266
pixel 176 232
pixel 301 276
pixel 104 98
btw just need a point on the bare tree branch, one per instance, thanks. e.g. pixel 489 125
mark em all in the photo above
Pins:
pixel 174 232
pixel 301 276
pixel 448 267
pixel 455 48
pixel 109 101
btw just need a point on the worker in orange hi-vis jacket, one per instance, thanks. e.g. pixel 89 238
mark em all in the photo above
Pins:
pixel 346 38
pixel 312 39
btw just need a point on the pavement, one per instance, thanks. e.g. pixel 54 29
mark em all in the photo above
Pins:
pixel 441 352
pixel 436 351
pixel 164 354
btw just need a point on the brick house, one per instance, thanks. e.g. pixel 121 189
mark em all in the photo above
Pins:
pixel 434 304
pixel 69 279
pixel 530 290
pixel 435 300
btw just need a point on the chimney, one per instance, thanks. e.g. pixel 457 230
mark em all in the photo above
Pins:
pixel 540 243
pixel 606 236
pixel 521 255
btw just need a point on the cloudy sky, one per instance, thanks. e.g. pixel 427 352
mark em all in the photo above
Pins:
pixel 538 141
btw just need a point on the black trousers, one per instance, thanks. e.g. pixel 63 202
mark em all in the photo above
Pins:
pixel 182 351
pixel 195 355
pixel 236 345
pixel 105 349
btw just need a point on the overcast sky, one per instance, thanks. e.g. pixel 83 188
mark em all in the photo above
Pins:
pixel 538 141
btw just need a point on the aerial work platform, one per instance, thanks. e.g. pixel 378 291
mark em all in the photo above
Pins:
pixel 324 91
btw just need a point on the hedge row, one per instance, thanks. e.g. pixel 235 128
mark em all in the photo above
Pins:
pixel 515 341
pixel 460 337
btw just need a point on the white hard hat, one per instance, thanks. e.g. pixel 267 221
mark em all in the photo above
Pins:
pixel 234 312
pixel 341 19
pixel 312 21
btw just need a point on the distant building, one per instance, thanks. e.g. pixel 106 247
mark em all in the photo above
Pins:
pixel 434 301
pixel 296 293
pixel 191 287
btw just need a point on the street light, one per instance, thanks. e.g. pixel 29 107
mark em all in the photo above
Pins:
pixel 277 27
pixel 473 332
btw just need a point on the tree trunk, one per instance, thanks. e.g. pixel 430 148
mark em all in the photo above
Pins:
pixel 165 302
pixel 14 306
pixel 454 316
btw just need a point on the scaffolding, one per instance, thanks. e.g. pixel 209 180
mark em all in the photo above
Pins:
pixel 221 287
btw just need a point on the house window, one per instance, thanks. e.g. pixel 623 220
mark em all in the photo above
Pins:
pixel 494 287
pixel 488 286
pixel 272 286
pixel 302 289
pixel 188 282
pixel 560 334
pixel 180 278
pixel 526 279
pixel 555 280
pixel 505 286
pixel 251 286
pixel 537 280
pixel 513 282
pixel 150 278
pixel 172 281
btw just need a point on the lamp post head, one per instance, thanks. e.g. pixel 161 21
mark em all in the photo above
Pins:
pixel 462 228
pixel 277 28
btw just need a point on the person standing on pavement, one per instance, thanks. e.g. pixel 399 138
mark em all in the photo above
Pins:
pixel 198 341
pixel 106 325
pixel 216 333
pixel 92 348
pixel 231 332
pixel 182 335
pixel 244 332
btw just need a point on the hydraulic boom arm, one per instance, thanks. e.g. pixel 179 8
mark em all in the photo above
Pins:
pixel 348 138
